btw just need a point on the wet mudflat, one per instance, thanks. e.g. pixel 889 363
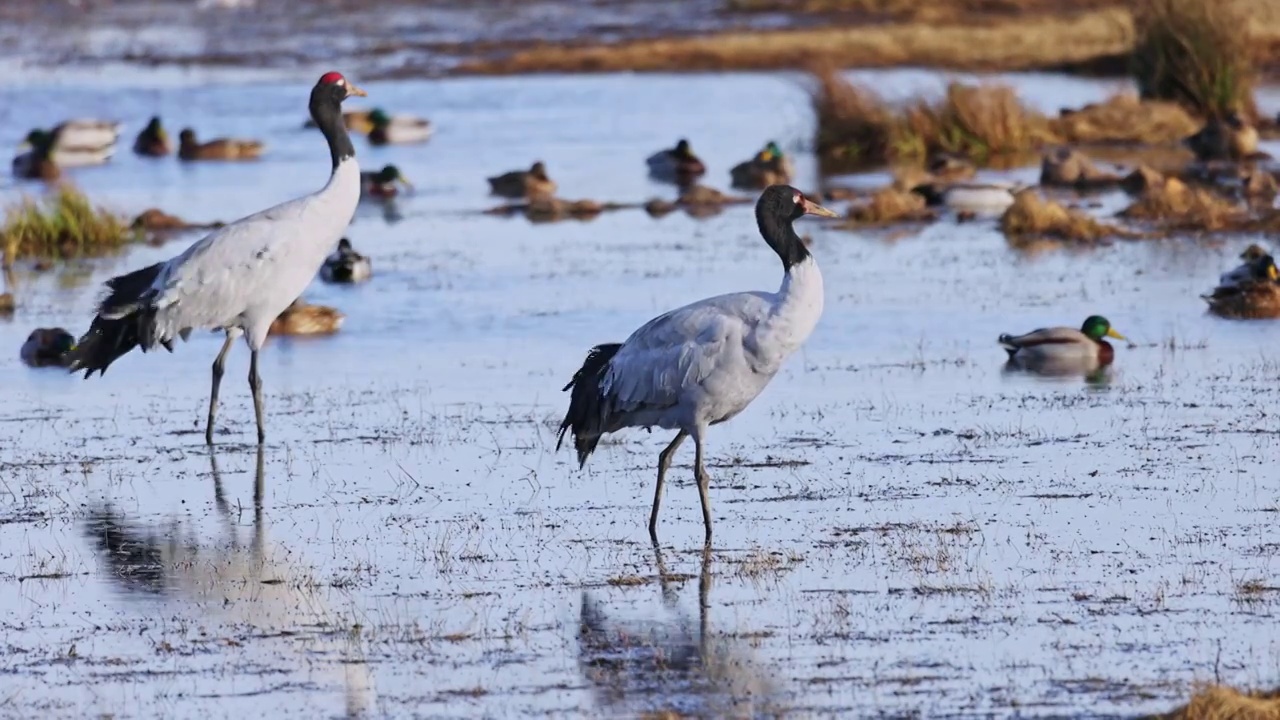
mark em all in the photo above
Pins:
pixel 902 527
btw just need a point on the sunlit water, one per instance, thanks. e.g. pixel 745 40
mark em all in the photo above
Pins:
pixel 901 527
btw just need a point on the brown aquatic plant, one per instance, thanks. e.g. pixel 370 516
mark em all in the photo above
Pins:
pixel 1175 204
pixel 1123 118
pixel 1219 702
pixel 1031 218
pixel 1197 53
pixel 856 126
pixel 889 205
pixel 62 225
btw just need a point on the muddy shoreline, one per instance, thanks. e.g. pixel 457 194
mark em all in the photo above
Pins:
pixel 392 39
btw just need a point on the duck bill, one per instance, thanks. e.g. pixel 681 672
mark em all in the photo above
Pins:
pixel 405 182
pixel 813 208
pixel 1111 333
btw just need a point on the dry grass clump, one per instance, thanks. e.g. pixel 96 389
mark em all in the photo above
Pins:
pixel 855 125
pixel 1125 119
pixel 63 225
pixel 1032 218
pixel 1219 702
pixel 889 205
pixel 1175 204
pixel 1197 53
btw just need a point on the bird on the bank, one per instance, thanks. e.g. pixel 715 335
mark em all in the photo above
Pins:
pixel 189 148
pixel 387 129
pixel 676 165
pixel 381 184
pixel 47 347
pixel 516 184
pixel 345 265
pixel 239 278
pixel 1063 349
pixel 1255 298
pixel 703 363
pixel 153 141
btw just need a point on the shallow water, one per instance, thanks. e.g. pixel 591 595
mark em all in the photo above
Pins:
pixel 901 527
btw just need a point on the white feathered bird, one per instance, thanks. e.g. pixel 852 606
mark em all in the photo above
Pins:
pixel 703 363
pixel 238 278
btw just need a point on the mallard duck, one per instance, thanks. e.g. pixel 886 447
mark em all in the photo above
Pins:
pixel 221 149
pixel 993 197
pixel 345 265
pixel 65 155
pixel 533 182
pixel 396 130
pixel 1256 298
pixel 769 167
pixel 1063 349
pixel 382 183
pixel 301 318
pixel 153 141
pixel 1251 256
pixel 36 163
pixel 47 347
pixel 677 165
pixel 1227 138
pixel 84 133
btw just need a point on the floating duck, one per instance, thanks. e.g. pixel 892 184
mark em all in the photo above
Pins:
pixel 153 141
pixel 397 130
pixel 36 163
pixel 994 197
pixel 533 182
pixel 301 318
pixel 47 347
pixel 677 165
pixel 1063 349
pixel 345 265
pixel 1251 269
pixel 1255 298
pixel 769 167
pixel 221 149
pixel 84 133
pixel 949 168
pixel 382 183
pixel 65 155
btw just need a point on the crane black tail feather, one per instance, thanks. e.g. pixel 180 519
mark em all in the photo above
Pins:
pixel 586 415
pixel 125 320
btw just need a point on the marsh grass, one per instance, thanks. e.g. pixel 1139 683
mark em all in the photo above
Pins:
pixel 1196 53
pixel 1219 702
pixel 980 122
pixel 63 225
pixel 1175 204
pixel 1032 218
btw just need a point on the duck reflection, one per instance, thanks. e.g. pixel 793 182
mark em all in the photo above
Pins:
pixel 670 668
pixel 1094 376
pixel 256 590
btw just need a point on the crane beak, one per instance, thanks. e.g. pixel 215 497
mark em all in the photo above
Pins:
pixel 1111 332
pixel 813 208
pixel 352 90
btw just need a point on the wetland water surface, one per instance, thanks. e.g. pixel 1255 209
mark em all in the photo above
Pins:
pixel 901 526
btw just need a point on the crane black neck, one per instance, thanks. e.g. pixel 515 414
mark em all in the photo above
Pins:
pixel 326 111
pixel 781 236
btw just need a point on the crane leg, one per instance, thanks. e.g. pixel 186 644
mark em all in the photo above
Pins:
pixel 664 462
pixel 704 480
pixel 255 384
pixel 219 366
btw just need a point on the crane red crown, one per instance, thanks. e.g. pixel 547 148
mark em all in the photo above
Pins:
pixel 332 77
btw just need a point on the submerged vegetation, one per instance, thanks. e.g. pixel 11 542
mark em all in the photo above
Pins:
pixel 62 225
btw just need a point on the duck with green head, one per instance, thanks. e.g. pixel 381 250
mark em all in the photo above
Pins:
pixel 769 167
pixel 153 141
pixel 397 130
pixel 1064 348
pixel 36 163
pixel 1255 298
pixel 47 144
pixel 676 165
pixel 383 183
pixel 47 347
